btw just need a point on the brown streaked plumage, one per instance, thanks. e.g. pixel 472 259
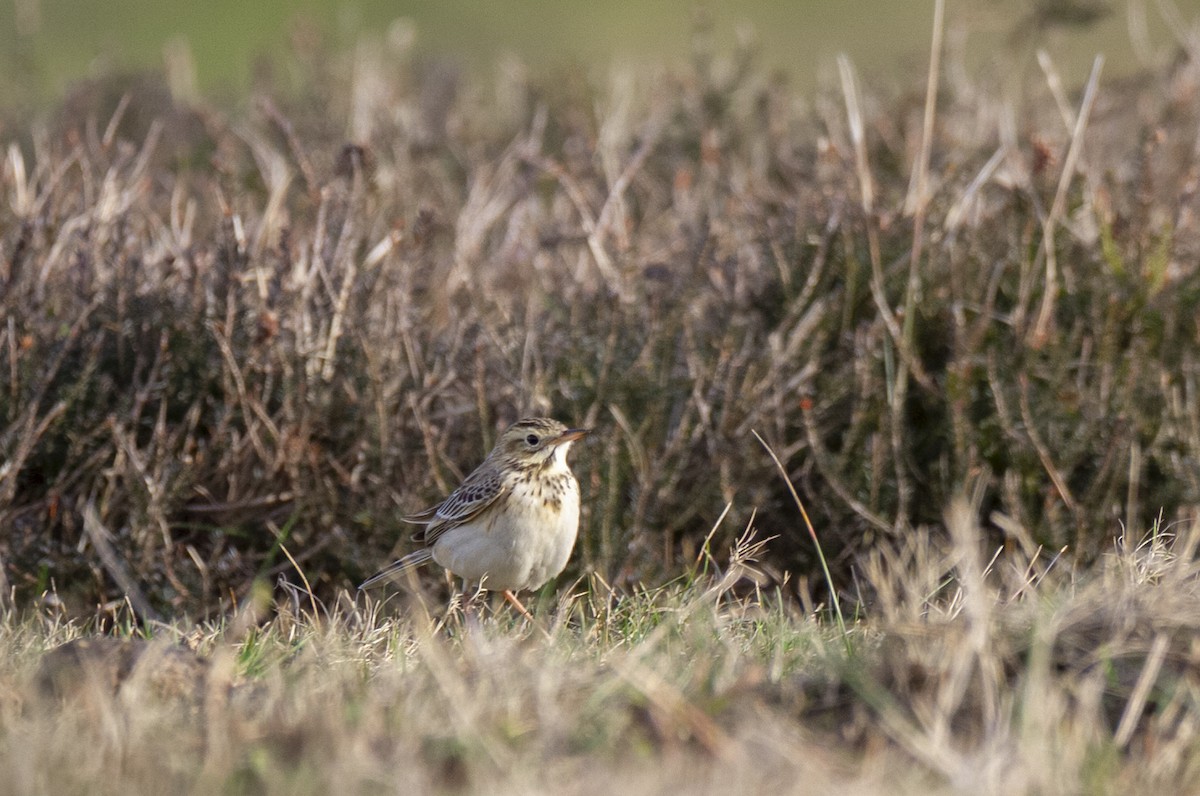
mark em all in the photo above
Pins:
pixel 513 521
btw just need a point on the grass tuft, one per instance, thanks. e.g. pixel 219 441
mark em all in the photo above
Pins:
pixel 1015 675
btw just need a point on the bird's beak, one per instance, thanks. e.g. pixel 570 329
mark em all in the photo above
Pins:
pixel 572 434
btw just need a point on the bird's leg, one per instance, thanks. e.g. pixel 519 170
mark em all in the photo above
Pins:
pixel 512 598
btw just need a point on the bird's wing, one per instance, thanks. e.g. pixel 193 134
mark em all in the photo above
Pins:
pixel 482 488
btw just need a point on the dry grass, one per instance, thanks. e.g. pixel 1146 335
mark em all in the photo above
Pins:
pixel 973 673
pixel 236 343
pixel 242 334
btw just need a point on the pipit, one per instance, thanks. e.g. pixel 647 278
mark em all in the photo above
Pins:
pixel 512 523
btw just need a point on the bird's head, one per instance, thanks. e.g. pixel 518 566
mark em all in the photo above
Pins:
pixel 536 441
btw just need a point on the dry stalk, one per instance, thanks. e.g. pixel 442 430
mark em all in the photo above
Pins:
pixel 1050 289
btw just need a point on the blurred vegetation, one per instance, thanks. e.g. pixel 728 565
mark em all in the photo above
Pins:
pixel 226 45
pixel 970 674
pixel 238 342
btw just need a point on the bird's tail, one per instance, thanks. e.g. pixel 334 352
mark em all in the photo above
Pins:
pixel 410 561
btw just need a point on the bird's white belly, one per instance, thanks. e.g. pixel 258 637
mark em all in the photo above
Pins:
pixel 516 548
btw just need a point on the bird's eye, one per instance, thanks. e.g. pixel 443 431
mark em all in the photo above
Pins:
pixel 532 440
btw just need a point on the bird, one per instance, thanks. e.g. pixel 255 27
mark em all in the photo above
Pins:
pixel 512 523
